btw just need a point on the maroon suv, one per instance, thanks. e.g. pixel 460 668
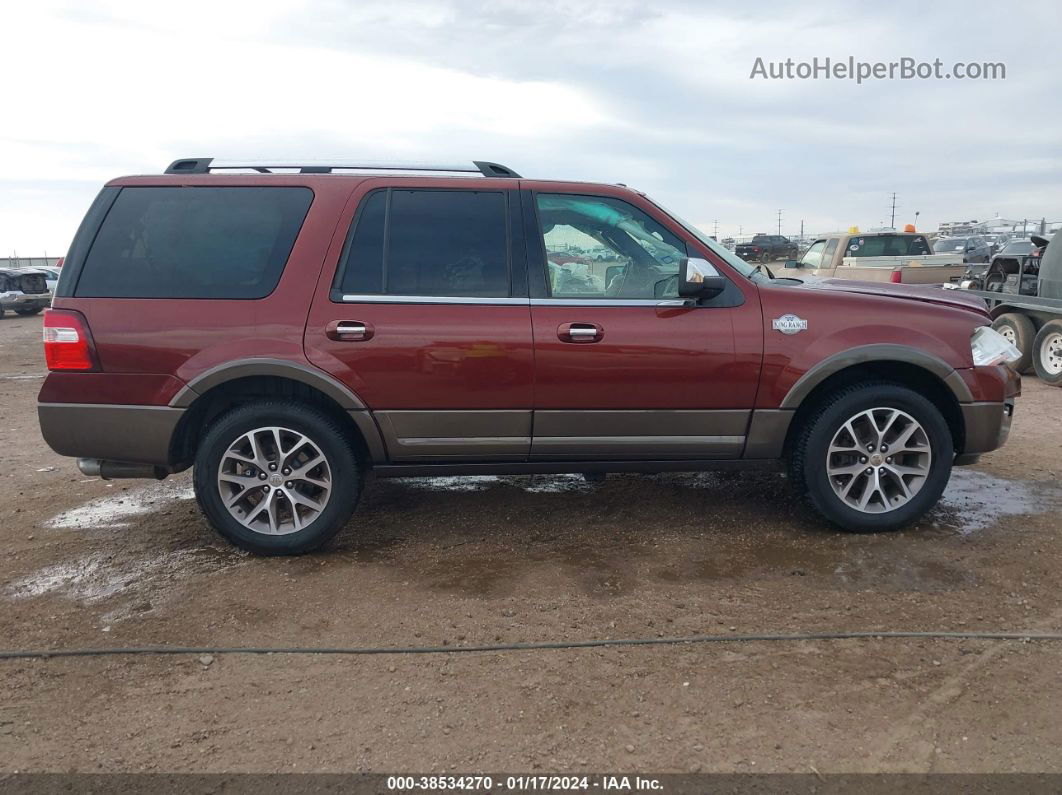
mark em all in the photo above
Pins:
pixel 285 329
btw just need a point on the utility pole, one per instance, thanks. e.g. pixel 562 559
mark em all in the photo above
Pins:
pixel 801 230
pixel 892 223
pixel 779 222
pixel 715 229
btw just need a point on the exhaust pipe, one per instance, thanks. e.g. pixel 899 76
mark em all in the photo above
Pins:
pixel 117 470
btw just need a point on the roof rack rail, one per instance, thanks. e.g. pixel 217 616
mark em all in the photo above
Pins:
pixel 204 165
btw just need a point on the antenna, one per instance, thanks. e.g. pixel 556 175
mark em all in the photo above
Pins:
pixel 892 222
pixel 779 222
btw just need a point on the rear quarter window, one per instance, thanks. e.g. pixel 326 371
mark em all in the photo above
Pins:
pixel 194 242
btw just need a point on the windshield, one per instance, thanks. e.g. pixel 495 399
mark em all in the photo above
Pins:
pixel 731 259
pixel 1019 247
pixel 949 244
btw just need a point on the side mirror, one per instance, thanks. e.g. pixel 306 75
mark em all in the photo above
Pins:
pixel 792 263
pixel 698 278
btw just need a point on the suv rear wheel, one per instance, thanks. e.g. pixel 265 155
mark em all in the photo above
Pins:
pixel 276 477
pixel 874 457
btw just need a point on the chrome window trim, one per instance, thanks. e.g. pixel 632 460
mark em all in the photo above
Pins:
pixel 614 302
pixel 502 301
pixel 430 299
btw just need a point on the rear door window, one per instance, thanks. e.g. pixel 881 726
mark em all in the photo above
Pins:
pixel 429 243
pixel 194 242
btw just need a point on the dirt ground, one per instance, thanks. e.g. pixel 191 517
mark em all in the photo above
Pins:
pixel 466 561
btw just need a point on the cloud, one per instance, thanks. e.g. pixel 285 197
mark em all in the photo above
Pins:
pixel 653 95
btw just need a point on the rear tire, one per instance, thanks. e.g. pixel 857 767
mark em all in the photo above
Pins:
pixel 847 483
pixel 257 481
pixel 1020 332
pixel 28 312
pixel 1047 353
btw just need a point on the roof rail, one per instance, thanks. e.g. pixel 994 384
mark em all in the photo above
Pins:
pixel 204 165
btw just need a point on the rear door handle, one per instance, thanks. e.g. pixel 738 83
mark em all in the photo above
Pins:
pixel 580 332
pixel 349 331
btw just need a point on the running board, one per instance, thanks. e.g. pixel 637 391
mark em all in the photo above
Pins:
pixel 573 467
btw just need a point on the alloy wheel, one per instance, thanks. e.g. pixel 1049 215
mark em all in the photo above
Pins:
pixel 879 460
pixel 274 480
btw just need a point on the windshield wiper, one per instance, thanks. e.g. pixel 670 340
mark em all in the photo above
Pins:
pixel 762 269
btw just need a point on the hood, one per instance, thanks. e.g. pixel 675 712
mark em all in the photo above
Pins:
pixel 910 292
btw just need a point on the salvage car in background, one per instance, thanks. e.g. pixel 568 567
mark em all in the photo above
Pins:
pixel 897 257
pixel 23 291
pixel 973 249
pixel 1010 259
pixel 1026 307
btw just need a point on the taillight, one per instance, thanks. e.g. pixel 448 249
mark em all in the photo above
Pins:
pixel 896 277
pixel 67 342
pixel 756 249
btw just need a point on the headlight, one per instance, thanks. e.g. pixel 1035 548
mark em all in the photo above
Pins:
pixel 990 347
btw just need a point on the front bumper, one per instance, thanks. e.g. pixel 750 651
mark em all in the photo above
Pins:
pixel 987 426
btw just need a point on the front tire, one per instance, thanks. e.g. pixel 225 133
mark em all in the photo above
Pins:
pixel 874 457
pixel 1047 353
pixel 277 477
pixel 28 312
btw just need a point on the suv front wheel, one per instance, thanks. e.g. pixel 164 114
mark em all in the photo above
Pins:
pixel 277 477
pixel 874 457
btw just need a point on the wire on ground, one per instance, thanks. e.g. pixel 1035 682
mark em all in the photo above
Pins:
pixel 17 654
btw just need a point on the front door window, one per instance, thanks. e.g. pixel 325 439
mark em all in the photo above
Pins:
pixel 598 247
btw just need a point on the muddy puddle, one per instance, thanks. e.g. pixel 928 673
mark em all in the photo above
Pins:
pixel 478 537
pixel 596 547
pixel 127 506
pixel 142 564
pixel 976 500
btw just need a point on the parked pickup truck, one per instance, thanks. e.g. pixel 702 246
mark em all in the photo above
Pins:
pixel 897 257
pixel 765 248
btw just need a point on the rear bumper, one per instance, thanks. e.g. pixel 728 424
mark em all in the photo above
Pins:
pixel 20 300
pixel 135 434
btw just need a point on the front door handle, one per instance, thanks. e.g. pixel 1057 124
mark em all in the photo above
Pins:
pixel 349 331
pixel 580 332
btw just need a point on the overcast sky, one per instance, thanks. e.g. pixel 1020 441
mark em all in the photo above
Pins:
pixel 655 95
